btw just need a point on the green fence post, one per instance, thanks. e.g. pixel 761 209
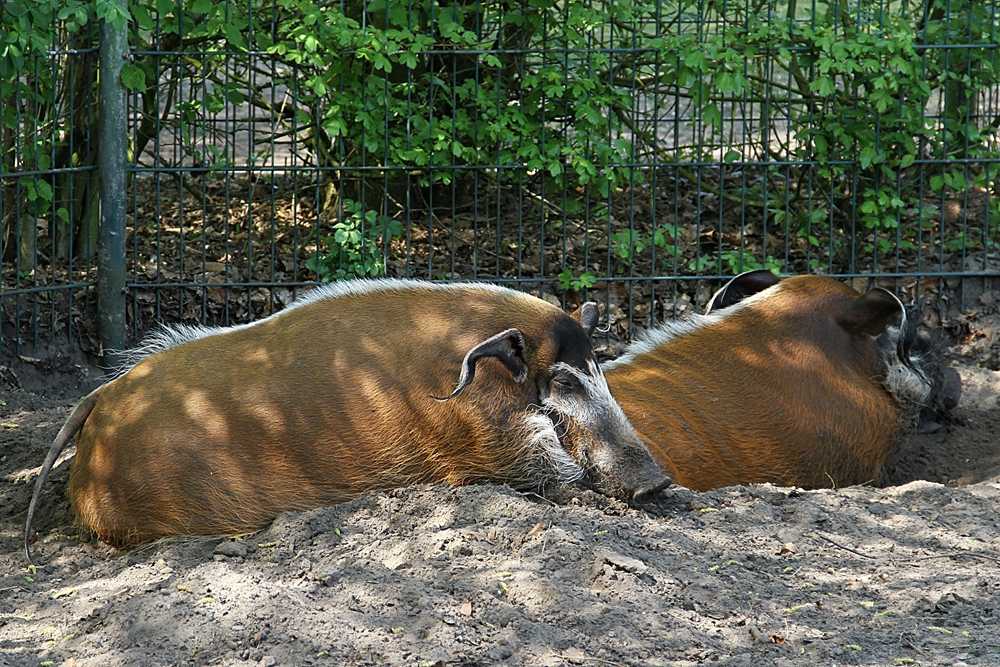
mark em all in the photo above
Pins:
pixel 111 166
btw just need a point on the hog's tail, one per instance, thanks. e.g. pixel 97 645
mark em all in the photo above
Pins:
pixel 73 424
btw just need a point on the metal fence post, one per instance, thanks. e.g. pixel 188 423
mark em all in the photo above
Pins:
pixel 111 166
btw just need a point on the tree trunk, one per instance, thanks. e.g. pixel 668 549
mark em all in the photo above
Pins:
pixel 27 239
pixel 7 201
pixel 79 89
pixel 960 99
pixel 90 215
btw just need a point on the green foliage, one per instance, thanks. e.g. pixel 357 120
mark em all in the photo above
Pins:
pixel 860 87
pixel 569 281
pixel 629 243
pixel 355 249
pixel 738 261
pixel 27 34
pixel 34 123
pixel 112 11
pixel 133 78
pixel 560 96
pixel 378 91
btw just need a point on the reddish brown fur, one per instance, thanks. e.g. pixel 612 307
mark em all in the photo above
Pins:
pixel 775 392
pixel 222 433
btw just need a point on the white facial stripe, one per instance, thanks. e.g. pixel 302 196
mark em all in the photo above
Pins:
pixel 595 430
pixel 908 387
pixel 593 371
pixel 596 407
pixel 542 437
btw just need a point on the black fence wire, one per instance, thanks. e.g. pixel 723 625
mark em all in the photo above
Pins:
pixel 637 153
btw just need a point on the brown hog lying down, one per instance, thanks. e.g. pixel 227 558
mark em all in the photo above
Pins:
pixel 802 382
pixel 217 430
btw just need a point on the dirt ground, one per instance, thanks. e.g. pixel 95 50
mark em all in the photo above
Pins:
pixel 907 574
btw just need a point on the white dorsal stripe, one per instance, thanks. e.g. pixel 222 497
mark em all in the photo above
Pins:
pixel 669 331
pixel 167 336
pixel 905 385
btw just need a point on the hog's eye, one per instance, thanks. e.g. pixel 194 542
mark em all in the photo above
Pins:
pixel 565 381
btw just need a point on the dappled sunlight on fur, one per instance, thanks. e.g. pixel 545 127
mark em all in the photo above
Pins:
pixel 216 431
pixel 773 389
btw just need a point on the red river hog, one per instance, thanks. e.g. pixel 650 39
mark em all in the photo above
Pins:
pixel 359 385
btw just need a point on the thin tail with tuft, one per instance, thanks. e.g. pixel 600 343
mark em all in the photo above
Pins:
pixel 73 424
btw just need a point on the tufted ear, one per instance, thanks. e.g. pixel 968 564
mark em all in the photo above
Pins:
pixel 587 315
pixel 507 346
pixel 746 284
pixel 872 312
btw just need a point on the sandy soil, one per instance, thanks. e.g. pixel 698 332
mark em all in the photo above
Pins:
pixel 908 574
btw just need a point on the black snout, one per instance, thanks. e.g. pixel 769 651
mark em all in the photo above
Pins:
pixel 950 390
pixel 646 492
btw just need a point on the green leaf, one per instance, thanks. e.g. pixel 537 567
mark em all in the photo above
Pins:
pixel 565 279
pixel 234 36
pixel 317 85
pixel 133 77
pixel 111 12
pixel 201 6
pixel 334 126
pixel 824 86
pixel 955 180
pixel 819 142
pixel 712 116
pixel 142 17
pixel 44 190
pixel 868 156
pixel 380 62
pixel 937 182
pixel 695 58
pixel 907 160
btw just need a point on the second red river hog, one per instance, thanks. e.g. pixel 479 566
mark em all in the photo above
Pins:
pixel 799 382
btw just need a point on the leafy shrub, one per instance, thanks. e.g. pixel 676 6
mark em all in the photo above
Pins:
pixel 355 249
pixel 570 282
pixel 568 97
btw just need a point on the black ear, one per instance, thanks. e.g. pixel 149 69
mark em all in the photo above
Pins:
pixel 587 315
pixel 507 346
pixel 746 284
pixel 872 312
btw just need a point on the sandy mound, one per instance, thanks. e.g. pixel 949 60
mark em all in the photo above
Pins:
pixel 483 575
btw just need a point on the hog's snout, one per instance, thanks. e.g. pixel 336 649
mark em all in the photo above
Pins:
pixel 641 475
pixel 628 472
pixel 646 492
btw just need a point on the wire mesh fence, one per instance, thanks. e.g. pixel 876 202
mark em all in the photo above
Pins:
pixel 632 152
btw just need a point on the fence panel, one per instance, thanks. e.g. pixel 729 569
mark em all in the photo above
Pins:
pixel 48 185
